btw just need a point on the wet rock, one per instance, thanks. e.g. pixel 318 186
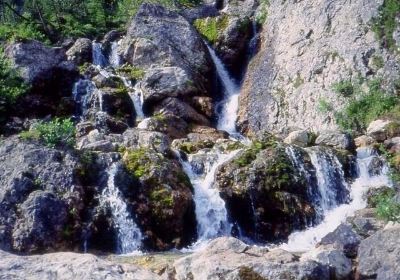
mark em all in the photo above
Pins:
pixel 173 106
pixel 205 133
pixel 335 139
pixel 83 128
pixel 170 125
pixel 162 199
pixel 203 104
pixel 109 124
pixel 118 104
pixel 393 144
pixel 365 223
pixel 81 51
pixel 245 262
pixel 364 141
pixel 343 238
pixel 381 130
pixel 379 255
pixel 68 266
pixel 134 138
pixel 260 182
pixel 299 138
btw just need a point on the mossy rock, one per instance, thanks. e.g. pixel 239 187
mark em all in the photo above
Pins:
pixel 212 27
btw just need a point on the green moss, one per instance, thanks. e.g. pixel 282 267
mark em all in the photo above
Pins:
pixel 250 154
pixel 137 162
pixel 133 72
pixel 262 14
pixel 324 106
pixel 162 197
pixel 385 24
pixel 191 148
pixel 211 27
pixel 378 61
pixel 345 88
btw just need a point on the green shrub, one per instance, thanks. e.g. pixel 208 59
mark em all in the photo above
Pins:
pixel 324 106
pixel 21 31
pixel 344 88
pixel 12 86
pixel 134 73
pixel 211 27
pixel 262 14
pixel 386 206
pixel 366 107
pixel 57 132
pixel 385 24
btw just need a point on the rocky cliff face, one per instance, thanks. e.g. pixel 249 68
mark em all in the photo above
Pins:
pixel 308 46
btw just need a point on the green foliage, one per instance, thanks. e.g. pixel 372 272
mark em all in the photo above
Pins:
pixel 132 72
pixel 12 87
pixel 21 31
pixel 262 14
pixel 344 88
pixel 366 107
pixel 163 197
pixel 137 162
pixel 250 154
pixel 387 208
pixel 58 132
pixel 378 62
pixel 211 27
pixel 324 106
pixel 385 24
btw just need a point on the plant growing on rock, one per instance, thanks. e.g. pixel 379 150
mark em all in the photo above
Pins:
pixel 210 28
pixel 344 88
pixel 385 24
pixel 387 208
pixel 58 132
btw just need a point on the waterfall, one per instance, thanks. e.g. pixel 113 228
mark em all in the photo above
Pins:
pixel 211 213
pixel 128 234
pixel 229 105
pixel 306 240
pixel 114 58
pixel 97 55
pixel 332 186
pixel 136 95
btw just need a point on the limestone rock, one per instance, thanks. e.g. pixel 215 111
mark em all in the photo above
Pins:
pixel 381 130
pixel 298 137
pixel 379 255
pixel 68 266
pixel 81 51
pixel 335 139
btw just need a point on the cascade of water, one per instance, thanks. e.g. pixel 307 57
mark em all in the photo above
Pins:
pixel 114 58
pixel 228 107
pixel 136 96
pixel 97 55
pixel 332 186
pixel 128 233
pixel 306 240
pixel 211 213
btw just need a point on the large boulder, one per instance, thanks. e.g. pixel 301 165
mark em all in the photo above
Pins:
pixel 265 194
pixel 335 139
pixel 162 199
pixel 300 138
pixel 68 266
pixel 306 48
pixel 379 255
pixel 49 74
pixel 81 51
pixel 381 130
pixel 40 197
pixel 229 258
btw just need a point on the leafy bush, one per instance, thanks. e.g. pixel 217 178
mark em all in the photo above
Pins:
pixel 211 27
pixel 12 86
pixel 387 208
pixel 385 24
pixel 21 31
pixel 344 88
pixel 366 107
pixel 57 132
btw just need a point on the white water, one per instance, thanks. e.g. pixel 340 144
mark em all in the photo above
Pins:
pixel 230 103
pixel 114 58
pixel 128 233
pixel 307 239
pixel 211 213
pixel 97 55
pixel 136 95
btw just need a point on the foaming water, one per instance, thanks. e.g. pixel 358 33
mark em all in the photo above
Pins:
pixel 307 239
pixel 128 234
pixel 230 103
pixel 98 57
pixel 211 213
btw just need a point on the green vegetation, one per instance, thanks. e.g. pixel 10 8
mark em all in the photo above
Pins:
pixel 298 81
pixel 163 197
pixel 385 24
pixel 378 62
pixel 387 208
pixel 262 14
pixel 250 154
pixel 324 106
pixel 58 132
pixel 137 162
pixel 132 72
pixel 12 87
pixel 366 107
pixel 191 148
pixel 53 20
pixel 344 88
pixel 211 27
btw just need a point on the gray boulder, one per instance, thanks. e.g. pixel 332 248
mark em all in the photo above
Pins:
pixel 381 130
pixel 63 266
pixel 81 51
pixel 298 137
pixel 379 255
pixel 335 139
